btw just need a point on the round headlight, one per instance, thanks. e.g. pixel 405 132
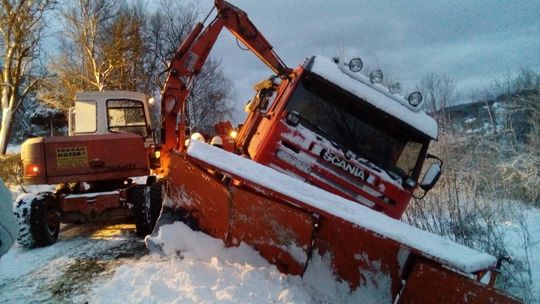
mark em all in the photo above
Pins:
pixel 356 65
pixel 395 87
pixel 376 76
pixel 415 98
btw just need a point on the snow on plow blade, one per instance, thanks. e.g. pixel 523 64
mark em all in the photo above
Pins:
pixel 289 221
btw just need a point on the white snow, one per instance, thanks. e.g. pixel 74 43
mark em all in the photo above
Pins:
pixel 455 255
pixel 525 243
pixel 418 120
pixel 197 268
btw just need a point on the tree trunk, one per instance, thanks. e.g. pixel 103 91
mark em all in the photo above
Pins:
pixel 5 129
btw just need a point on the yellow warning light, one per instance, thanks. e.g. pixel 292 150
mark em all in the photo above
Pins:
pixel 157 154
pixel 233 133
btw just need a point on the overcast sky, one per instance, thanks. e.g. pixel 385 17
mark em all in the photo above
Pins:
pixel 473 42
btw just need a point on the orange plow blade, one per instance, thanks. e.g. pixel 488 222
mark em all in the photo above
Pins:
pixel 291 223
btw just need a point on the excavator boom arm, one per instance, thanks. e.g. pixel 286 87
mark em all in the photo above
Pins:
pixel 191 57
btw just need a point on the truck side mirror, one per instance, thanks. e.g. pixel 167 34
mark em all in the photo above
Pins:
pixel 431 177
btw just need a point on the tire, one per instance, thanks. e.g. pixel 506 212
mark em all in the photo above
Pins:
pixel 38 218
pixel 147 201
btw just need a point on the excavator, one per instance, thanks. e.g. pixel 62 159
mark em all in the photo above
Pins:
pixel 322 169
pixel 324 165
pixel 102 169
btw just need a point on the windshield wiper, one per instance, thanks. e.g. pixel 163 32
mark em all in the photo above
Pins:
pixel 293 118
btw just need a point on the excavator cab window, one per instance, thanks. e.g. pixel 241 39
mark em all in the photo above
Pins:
pixel 126 115
pixel 85 116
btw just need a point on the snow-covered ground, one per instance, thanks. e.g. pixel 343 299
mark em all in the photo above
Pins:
pixel 109 264
pixel 197 268
pixel 65 271
pixel 100 263
pixel 523 239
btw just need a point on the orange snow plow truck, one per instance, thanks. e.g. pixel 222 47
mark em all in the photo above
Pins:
pixel 325 164
pixel 323 167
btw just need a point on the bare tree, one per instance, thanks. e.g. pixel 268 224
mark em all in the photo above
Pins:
pixel 208 102
pixel 22 26
pixel 102 48
pixel 166 28
pixel 108 45
pixel 440 92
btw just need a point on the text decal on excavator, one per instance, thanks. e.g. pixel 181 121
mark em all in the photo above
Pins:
pixel 341 163
pixel 71 157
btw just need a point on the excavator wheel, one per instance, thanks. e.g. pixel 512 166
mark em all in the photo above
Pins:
pixel 38 218
pixel 146 200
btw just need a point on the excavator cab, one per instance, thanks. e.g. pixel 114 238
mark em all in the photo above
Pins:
pixel 111 112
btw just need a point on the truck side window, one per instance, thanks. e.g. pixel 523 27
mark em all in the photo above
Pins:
pixel 409 157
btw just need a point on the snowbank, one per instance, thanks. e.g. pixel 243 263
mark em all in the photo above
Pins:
pixel 197 268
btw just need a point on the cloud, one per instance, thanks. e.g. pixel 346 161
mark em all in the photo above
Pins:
pixel 470 41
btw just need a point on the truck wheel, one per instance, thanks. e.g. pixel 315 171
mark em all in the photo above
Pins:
pixel 146 202
pixel 38 218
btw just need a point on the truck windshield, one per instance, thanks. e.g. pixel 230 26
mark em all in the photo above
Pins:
pixel 126 116
pixel 355 125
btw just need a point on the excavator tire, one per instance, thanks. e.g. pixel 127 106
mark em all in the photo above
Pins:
pixel 146 200
pixel 38 218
